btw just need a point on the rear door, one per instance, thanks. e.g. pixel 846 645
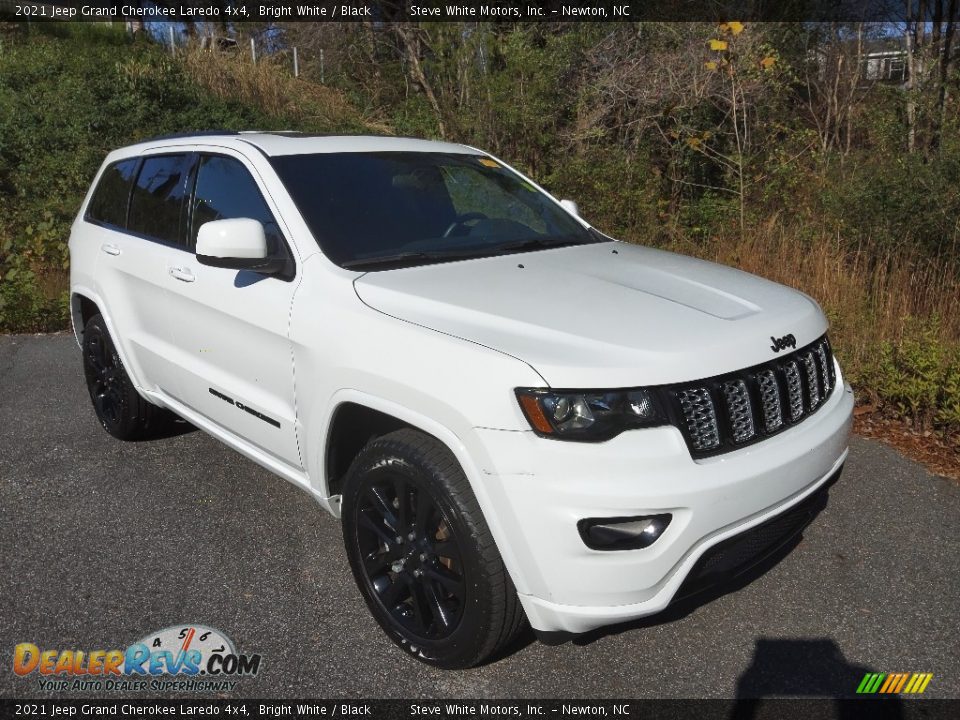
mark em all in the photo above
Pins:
pixel 140 209
pixel 231 327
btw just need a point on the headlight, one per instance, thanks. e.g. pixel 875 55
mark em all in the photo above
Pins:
pixel 589 415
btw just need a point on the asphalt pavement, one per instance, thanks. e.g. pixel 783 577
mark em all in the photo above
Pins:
pixel 103 541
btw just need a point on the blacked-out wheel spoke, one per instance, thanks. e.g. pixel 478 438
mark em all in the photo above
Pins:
pixel 451 582
pixel 423 513
pixel 421 608
pixel 376 528
pixel 441 614
pixel 396 592
pixel 402 495
pixel 447 549
pixel 382 505
pixel 377 563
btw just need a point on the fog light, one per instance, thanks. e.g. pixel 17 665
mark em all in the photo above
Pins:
pixel 622 533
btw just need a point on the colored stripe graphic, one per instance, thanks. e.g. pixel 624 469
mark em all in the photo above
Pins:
pixel 894 683
pixel 871 683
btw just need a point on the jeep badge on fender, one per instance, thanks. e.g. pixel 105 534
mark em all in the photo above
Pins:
pixel 516 418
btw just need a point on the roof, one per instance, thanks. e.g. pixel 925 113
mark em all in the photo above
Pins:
pixel 293 143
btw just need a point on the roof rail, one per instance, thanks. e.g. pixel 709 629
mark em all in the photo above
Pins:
pixel 198 133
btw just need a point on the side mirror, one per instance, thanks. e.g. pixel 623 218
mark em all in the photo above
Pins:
pixel 570 206
pixel 237 244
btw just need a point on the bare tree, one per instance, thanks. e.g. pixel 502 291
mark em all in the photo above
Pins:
pixel 835 82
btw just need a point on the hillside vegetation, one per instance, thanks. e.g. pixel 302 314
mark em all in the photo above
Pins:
pixel 720 142
pixel 71 94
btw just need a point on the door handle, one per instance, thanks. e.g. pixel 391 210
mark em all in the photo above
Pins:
pixel 182 274
pixel 110 249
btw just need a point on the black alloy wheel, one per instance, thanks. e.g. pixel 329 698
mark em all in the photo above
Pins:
pixel 104 378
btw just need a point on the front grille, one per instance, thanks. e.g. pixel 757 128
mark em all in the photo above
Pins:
pixel 733 410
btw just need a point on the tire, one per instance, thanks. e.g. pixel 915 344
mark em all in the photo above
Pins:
pixel 119 407
pixel 422 554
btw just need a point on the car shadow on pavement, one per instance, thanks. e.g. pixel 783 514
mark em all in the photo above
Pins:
pixel 170 428
pixel 807 668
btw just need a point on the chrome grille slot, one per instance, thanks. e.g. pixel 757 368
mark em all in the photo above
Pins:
pixel 770 400
pixel 701 417
pixel 826 367
pixel 723 413
pixel 739 412
pixel 794 390
pixel 813 382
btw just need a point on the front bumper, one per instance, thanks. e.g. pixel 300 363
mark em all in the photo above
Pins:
pixel 549 485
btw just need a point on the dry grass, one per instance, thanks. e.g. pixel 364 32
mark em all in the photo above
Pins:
pixel 869 298
pixel 270 86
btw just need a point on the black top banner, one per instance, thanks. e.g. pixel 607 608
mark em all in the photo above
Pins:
pixel 380 11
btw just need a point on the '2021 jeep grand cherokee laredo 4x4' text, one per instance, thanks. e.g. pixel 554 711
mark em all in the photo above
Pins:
pixel 514 415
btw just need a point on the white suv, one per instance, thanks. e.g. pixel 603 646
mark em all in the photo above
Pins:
pixel 515 416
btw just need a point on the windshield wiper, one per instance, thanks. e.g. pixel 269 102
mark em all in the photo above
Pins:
pixel 424 256
pixel 535 244
pixel 403 258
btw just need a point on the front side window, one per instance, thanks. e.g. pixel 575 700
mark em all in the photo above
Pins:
pixel 381 209
pixel 226 190
pixel 157 199
pixel 109 202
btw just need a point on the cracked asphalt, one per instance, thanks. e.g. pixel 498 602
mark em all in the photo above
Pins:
pixel 102 542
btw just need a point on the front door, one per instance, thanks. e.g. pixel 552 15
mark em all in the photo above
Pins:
pixel 231 326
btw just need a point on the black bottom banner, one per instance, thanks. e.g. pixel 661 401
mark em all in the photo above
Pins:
pixel 742 709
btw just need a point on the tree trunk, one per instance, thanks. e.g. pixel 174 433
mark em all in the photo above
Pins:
pixel 946 60
pixel 911 83
pixel 411 46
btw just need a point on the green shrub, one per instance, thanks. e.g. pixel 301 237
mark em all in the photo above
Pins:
pixel 67 97
pixel 919 376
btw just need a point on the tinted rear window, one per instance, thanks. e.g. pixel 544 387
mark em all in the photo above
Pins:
pixel 157 200
pixel 109 202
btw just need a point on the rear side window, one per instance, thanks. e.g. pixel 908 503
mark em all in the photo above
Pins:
pixel 157 199
pixel 109 202
pixel 226 190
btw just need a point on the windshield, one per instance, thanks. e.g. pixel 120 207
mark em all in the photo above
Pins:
pixel 389 209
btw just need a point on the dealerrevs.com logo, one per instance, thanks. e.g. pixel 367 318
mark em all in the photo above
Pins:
pixel 180 658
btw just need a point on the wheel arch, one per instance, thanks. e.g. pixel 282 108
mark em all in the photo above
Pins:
pixel 472 460
pixel 82 308
pixel 84 304
pixel 352 426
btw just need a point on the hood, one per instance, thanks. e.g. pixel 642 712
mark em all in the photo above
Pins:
pixel 604 315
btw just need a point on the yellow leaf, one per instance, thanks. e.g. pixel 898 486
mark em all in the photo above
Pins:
pixel 718 44
pixel 710 65
pixel 767 62
pixel 735 27
pixel 694 142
